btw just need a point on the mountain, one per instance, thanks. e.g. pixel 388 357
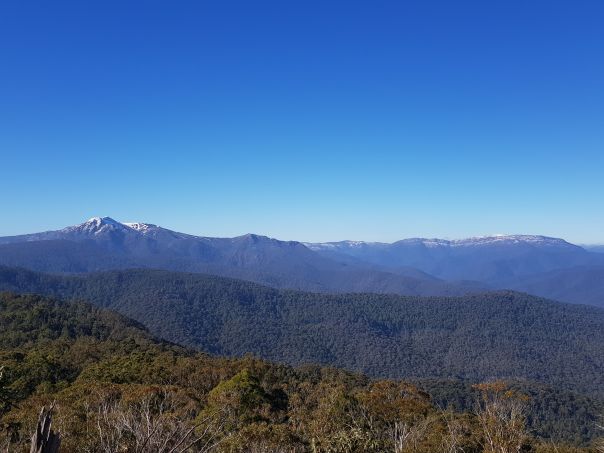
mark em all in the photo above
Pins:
pixel 114 387
pixel 494 335
pixel 580 285
pixel 491 260
pixel 426 267
pixel 595 248
pixel 543 266
pixel 104 244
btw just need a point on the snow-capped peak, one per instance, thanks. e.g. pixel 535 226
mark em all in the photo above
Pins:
pixel 98 221
pixel 139 226
pixel 95 225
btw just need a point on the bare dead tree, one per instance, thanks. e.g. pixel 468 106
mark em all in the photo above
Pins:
pixel 600 443
pixel 452 440
pixel 401 434
pixel 151 425
pixel 407 437
pixel 501 415
pixel 4 393
pixel 45 440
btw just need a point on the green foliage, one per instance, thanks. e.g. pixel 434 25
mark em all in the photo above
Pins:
pixel 553 414
pixel 497 335
pixel 102 369
pixel 240 400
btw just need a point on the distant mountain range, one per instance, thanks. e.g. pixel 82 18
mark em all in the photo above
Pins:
pixel 486 259
pixel 540 265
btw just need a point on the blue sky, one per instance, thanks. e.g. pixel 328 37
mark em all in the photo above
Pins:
pixel 305 120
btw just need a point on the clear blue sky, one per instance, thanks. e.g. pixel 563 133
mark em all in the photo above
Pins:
pixel 309 120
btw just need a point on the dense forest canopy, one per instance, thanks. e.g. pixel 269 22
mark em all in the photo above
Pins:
pixel 116 388
pixel 495 335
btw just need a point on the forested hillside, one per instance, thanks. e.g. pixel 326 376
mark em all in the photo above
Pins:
pixel 495 335
pixel 115 388
pixel 579 285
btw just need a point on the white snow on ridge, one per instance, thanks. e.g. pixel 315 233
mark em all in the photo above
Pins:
pixel 509 239
pixel 97 225
pixel 138 226
pixel 339 245
pixel 435 242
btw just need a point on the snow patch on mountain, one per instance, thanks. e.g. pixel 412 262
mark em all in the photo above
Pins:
pixel 139 226
pixel 95 226
pixel 435 242
pixel 317 246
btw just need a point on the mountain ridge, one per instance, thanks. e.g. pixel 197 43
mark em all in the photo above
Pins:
pixel 101 243
pixel 472 240
pixel 413 266
pixel 98 224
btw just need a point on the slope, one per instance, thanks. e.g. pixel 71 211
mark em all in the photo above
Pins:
pixel 496 335
pixel 110 381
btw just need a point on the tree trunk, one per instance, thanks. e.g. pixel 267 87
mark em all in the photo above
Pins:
pixel 45 440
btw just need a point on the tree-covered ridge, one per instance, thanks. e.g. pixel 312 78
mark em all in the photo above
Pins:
pixel 115 388
pixel 494 335
pixel 33 320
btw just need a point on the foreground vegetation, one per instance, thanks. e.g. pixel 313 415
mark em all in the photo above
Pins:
pixel 115 388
